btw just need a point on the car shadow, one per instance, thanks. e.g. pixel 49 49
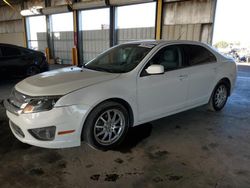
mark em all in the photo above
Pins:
pixel 134 136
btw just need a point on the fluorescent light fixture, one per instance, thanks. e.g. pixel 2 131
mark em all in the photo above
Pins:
pixel 35 10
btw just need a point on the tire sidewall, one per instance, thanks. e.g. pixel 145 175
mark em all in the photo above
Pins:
pixel 216 108
pixel 88 129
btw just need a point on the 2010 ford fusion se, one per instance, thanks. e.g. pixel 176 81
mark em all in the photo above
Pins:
pixel 127 85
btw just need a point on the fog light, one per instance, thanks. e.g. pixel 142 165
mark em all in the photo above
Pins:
pixel 45 133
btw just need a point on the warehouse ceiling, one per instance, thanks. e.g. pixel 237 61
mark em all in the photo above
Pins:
pixel 2 3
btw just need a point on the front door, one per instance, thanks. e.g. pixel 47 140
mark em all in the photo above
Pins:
pixel 159 95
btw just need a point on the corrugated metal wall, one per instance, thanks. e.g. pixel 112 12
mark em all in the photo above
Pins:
pixel 11 26
pixel 188 20
pixel 181 32
pixel 97 41
pixel 63 44
pixel 94 42
pixel 8 14
pixel 133 34
pixel 42 41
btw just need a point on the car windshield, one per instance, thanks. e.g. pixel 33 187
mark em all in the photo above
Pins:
pixel 120 59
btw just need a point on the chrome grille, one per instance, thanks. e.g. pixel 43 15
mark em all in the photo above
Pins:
pixel 17 129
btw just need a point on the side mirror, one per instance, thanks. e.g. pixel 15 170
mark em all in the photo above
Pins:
pixel 155 69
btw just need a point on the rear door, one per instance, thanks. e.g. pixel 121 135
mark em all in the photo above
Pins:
pixel 201 67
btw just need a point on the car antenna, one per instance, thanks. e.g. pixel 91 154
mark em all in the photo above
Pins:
pixel 180 35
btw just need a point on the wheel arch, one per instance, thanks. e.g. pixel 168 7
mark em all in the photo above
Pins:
pixel 127 106
pixel 227 82
pixel 222 80
pixel 117 100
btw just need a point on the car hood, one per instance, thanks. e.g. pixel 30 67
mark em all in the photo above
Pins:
pixel 62 81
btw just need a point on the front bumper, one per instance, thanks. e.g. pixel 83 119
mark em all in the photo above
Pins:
pixel 63 118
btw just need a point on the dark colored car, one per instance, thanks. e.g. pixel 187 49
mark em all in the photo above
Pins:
pixel 243 59
pixel 20 61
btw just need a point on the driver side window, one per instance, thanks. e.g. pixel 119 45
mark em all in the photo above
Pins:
pixel 169 57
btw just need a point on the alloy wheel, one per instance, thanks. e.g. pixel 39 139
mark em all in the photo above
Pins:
pixel 109 126
pixel 220 96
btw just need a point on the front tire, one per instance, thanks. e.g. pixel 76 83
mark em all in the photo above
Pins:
pixel 219 97
pixel 106 126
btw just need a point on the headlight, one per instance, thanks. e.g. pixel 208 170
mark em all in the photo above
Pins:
pixel 40 104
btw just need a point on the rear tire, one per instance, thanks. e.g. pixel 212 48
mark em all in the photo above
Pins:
pixel 106 126
pixel 219 97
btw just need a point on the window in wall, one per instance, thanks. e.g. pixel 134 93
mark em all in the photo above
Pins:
pixel 62 22
pixel 136 22
pixel 36 32
pixel 63 37
pixel 94 26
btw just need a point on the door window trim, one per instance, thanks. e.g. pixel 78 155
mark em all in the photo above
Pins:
pixel 187 64
pixel 152 55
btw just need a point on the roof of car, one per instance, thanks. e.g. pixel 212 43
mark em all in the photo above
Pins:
pixel 19 47
pixel 6 44
pixel 152 43
pixel 14 46
pixel 156 42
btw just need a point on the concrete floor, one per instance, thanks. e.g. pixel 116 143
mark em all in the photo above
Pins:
pixel 196 148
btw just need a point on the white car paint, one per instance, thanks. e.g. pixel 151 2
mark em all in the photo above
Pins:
pixel 61 81
pixel 169 93
pixel 149 97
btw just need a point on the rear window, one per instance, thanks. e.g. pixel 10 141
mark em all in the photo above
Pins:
pixel 198 55
pixel 10 51
pixel 26 52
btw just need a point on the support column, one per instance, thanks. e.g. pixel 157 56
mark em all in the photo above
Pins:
pixel 25 40
pixel 159 15
pixel 214 14
pixel 112 28
pixel 50 43
pixel 75 50
pixel 25 33
pixel 50 50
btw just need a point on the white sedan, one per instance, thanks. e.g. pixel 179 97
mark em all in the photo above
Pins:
pixel 127 85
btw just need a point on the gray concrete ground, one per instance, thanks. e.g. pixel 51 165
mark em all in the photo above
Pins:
pixel 196 148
